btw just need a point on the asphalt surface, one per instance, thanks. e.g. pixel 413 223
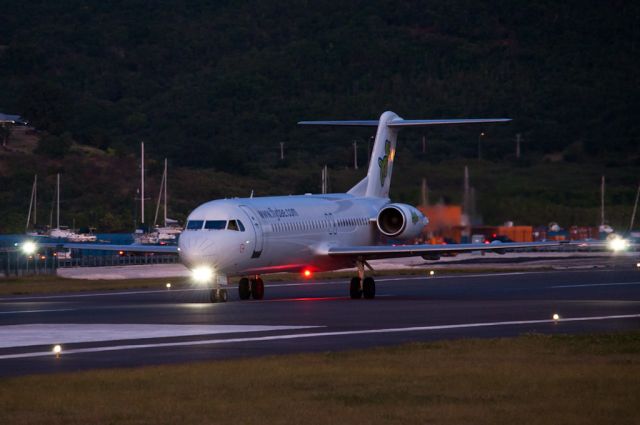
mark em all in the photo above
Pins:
pixel 134 328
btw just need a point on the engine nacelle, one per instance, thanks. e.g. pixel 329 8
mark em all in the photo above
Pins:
pixel 401 221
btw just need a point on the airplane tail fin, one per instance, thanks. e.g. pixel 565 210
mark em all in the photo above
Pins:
pixel 378 178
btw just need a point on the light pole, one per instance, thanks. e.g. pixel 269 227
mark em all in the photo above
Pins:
pixel 480 145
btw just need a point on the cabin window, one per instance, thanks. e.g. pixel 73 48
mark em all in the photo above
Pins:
pixel 215 224
pixel 194 224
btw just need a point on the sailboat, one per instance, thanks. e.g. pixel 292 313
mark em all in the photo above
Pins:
pixel 171 229
pixel 63 232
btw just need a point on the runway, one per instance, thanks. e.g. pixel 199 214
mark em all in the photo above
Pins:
pixel 145 327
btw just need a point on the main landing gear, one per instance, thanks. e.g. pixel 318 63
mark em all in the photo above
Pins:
pixel 361 286
pixel 253 287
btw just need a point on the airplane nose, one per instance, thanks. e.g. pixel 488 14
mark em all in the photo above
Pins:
pixel 195 248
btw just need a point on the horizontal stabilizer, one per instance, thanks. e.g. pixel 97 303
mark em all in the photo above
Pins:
pixel 406 123
pixel 356 123
pixel 424 123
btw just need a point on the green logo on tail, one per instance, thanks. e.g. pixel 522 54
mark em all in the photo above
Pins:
pixel 414 217
pixel 383 162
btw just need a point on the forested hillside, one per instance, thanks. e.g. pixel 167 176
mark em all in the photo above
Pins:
pixel 217 85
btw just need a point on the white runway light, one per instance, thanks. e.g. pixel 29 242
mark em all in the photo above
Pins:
pixel 202 274
pixel 169 285
pixel 556 316
pixel 432 273
pixel 57 349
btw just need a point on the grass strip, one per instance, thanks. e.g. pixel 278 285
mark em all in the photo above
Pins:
pixel 533 379
pixel 32 285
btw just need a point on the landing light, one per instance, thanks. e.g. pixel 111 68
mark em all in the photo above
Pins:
pixel 29 248
pixel 202 274
pixel 618 244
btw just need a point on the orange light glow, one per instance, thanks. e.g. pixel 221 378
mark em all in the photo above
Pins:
pixel 307 273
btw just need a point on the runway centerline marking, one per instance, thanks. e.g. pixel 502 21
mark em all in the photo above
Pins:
pixel 317 335
pixel 585 285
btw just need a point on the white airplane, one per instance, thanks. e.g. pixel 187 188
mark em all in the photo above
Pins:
pixel 250 237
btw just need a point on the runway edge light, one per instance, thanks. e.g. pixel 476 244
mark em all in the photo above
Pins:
pixel 57 349
pixel 556 316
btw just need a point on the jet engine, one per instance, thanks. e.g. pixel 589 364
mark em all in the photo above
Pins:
pixel 401 221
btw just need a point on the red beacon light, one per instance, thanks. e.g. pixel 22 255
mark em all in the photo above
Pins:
pixel 307 273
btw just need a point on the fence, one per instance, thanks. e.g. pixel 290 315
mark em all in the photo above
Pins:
pixel 13 262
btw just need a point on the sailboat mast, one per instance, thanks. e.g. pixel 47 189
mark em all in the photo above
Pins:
pixel 58 201
pixel 165 192
pixel 142 182
pixel 31 207
pixel 602 202
pixel 35 199
pixel 155 217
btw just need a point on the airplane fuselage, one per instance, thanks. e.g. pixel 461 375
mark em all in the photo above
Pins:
pixel 251 236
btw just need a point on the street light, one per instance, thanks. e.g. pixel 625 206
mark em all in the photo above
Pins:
pixel 29 248
pixel 479 145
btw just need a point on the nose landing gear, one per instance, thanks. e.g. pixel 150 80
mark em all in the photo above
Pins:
pixel 219 295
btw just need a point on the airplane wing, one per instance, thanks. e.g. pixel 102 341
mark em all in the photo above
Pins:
pixel 394 251
pixel 158 249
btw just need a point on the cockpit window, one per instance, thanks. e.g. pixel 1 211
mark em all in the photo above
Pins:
pixel 194 224
pixel 235 225
pixel 215 224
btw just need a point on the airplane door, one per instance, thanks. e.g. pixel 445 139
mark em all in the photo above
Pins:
pixel 257 230
pixel 333 226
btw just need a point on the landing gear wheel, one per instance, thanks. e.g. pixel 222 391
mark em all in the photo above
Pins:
pixel 218 295
pixel 257 289
pixel 213 295
pixel 354 288
pixel 223 295
pixel 369 288
pixel 244 291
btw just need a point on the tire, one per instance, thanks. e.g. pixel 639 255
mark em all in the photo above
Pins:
pixel 213 296
pixel 257 289
pixel 244 292
pixel 223 295
pixel 354 288
pixel 369 288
